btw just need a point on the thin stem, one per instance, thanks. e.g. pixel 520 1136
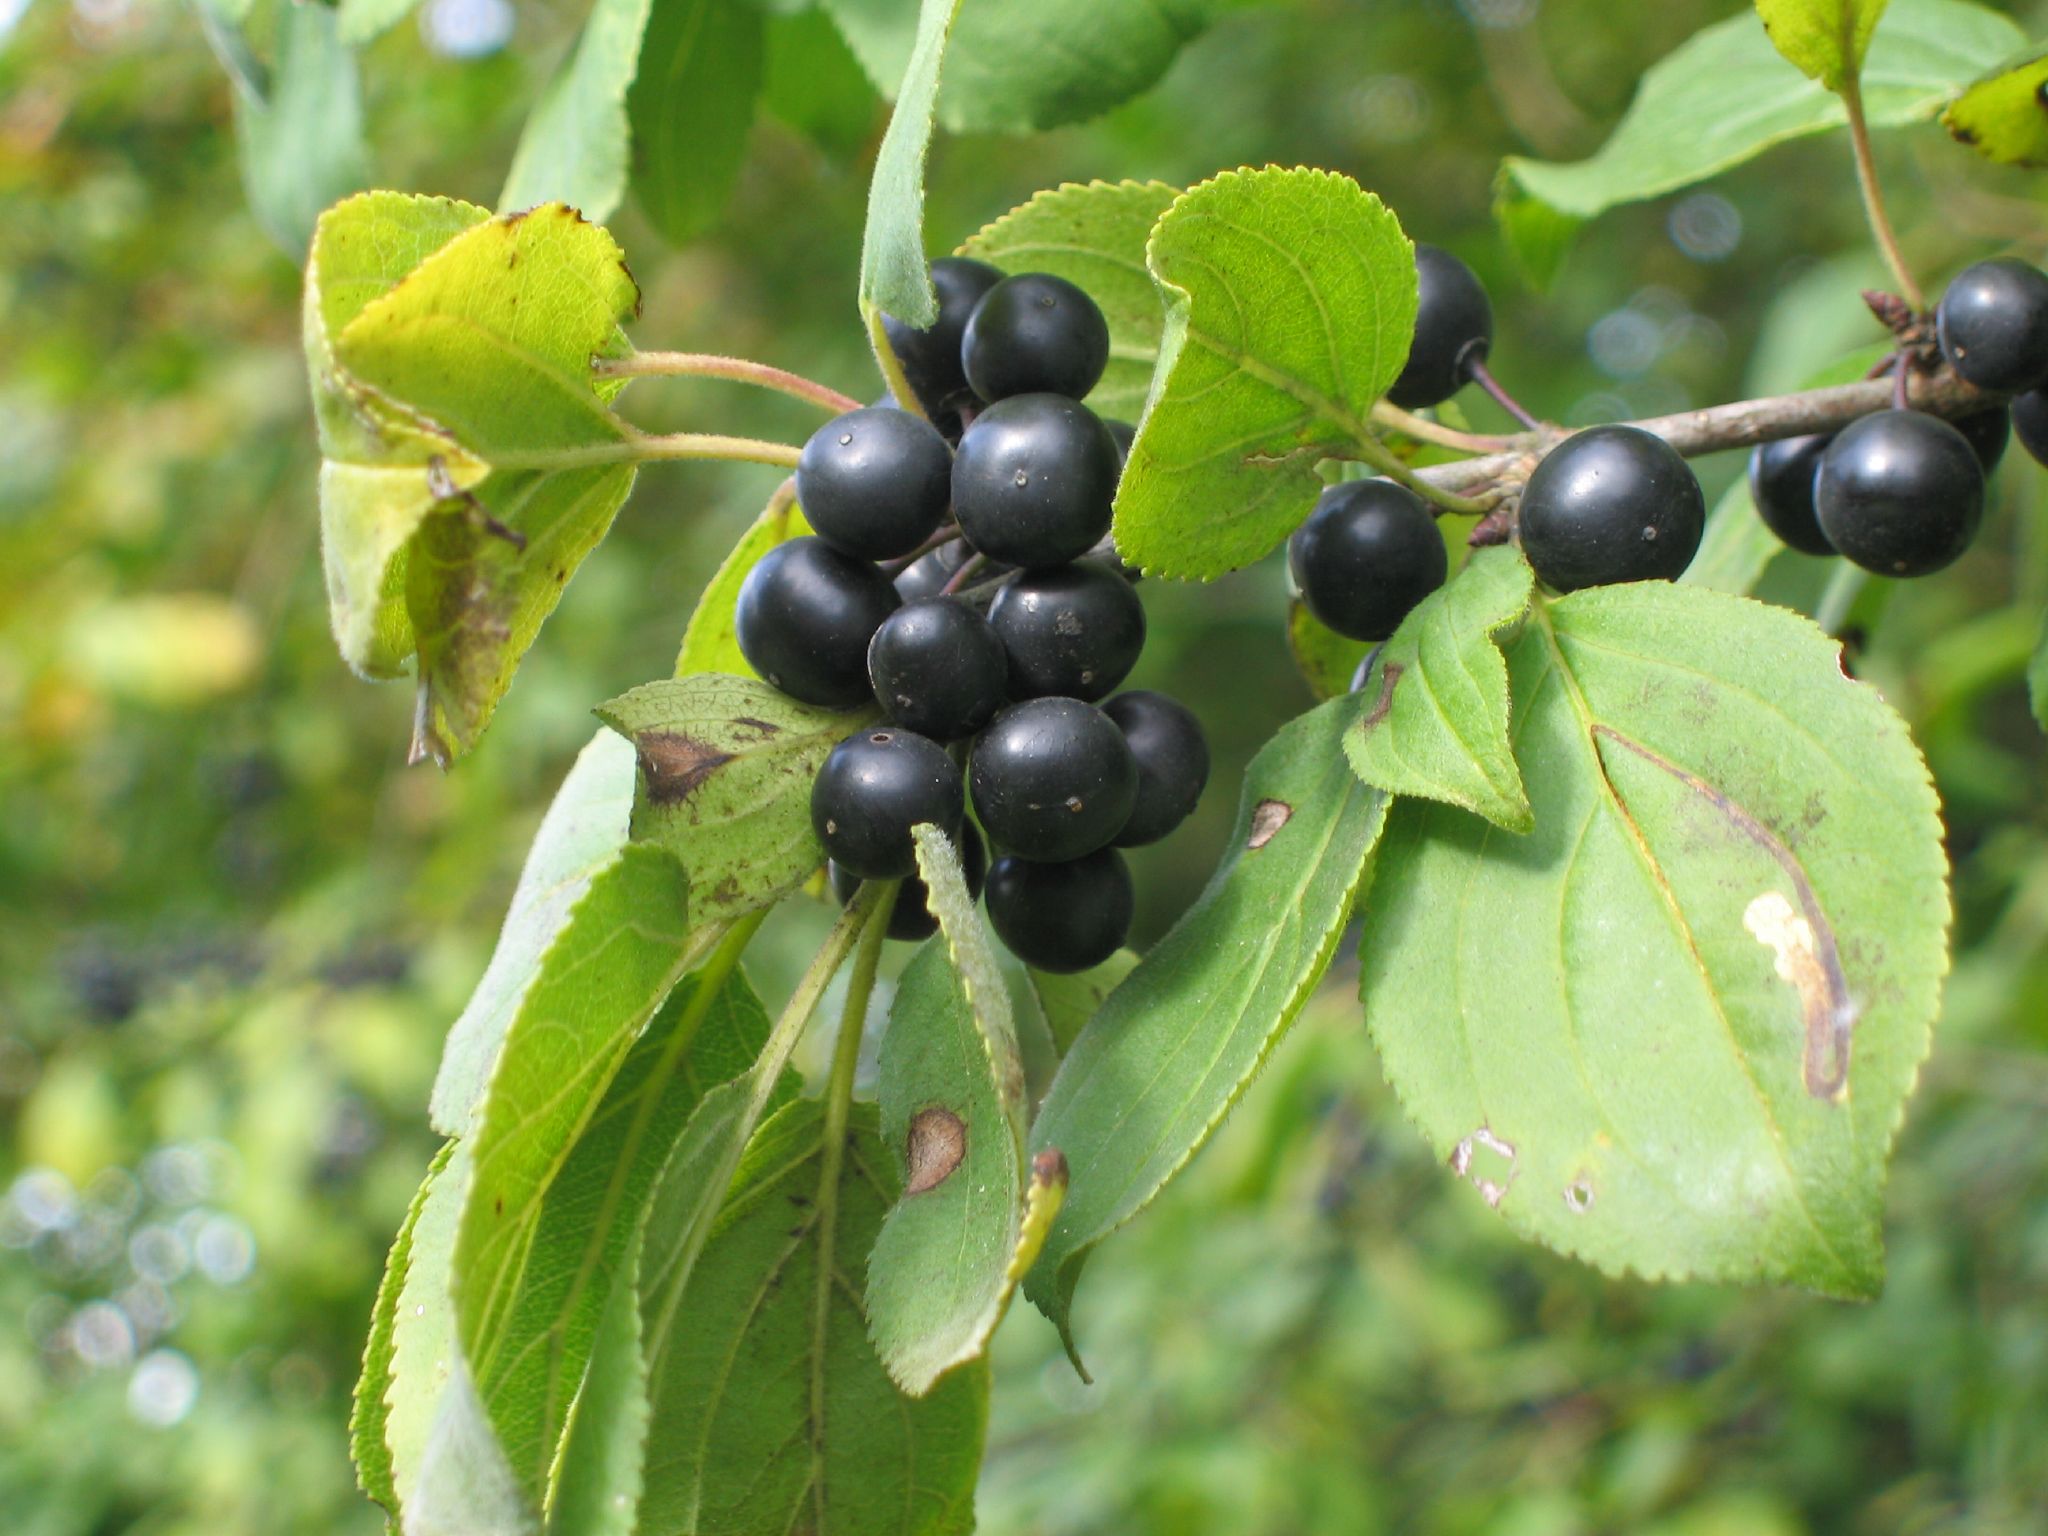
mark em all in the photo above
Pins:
pixel 1370 450
pixel 1873 195
pixel 860 987
pixel 1423 430
pixel 968 567
pixel 888 362
pixel 1483 377
pixel 944 536
pixel 739 370
pixel 637 447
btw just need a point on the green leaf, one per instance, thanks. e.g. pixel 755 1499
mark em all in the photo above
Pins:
pixel 624 948
pixel 1173 1047
pixel 374 485
pixel 1290 301
pixel 952 1103
pixel 1326 660
pixel 811 1435
pixel 1725 96
pixel 2037 676
pixel 486 347
pixel 1537 236
pixel 1827 39
pixel 893 276
pixel 464 1484
pixel 1017 68
pixel 302 142
pixel 710 643
pixel 725 771
pixel 1094 236
pixel 583 830
pixel 691 108
pixel 1069 1002
pixel 2005 116
pixel 812 82
pixel 528 1348
pixel 597 1485
pixel 1438 722
pixel 368 1412
pixel 362 21
pixel 576 146
pixel 1672 1030
pixel 423 1350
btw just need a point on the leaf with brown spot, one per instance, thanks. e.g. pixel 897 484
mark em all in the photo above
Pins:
pixel 725 772
pixel 1694 998
pixel 952 1100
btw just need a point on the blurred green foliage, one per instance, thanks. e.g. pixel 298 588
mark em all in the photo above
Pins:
pixel 235 926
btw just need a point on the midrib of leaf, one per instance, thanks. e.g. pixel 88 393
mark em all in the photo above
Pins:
pixel 732 940
pixel 1560 667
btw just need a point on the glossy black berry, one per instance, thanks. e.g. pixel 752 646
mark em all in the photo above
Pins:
pixel 1987 433
pixel 931 357
pixel 1173 762
pixel 1034 481
pixel 1453 330
pixel 1611 504
pixel 2030 423
pixel 1035 334
pixel 1052 779
pixel 1073 631
pixel 875 482
pixel 1062 917
pixel 1781 485
pixel 805 615
pixel 873 788
pixel 1368 554
pixel 911 919
pixel 1993 324
pixel 938 668
pixel 1900 493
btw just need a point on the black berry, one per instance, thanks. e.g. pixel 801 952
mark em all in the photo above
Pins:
pixel 1993 324
pixel 1035 334
pixel 1987 433
pixel 1453 330
pixel 931 357
pixel 2030 423
pixel 1781 485
pixel 1173 762
pixel 927 575
pixel 911 919
pixel 1368 554
pixel 937 668
pixel 1052 779
pixel 874 787
pixel 1073 631
pixel 1062 917
pixel 805 615
pixel 875 482
pixel 1611 504
pixel 1034 481
pixel 1900 493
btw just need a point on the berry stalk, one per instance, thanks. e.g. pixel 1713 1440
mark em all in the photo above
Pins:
pixel 737 370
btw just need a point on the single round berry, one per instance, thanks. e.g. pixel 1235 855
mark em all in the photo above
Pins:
pixel 931 357
pixel 1063 917
pixel 875 482
pixel 1074 631
pixel 1987 433
pixel 1367 555
pixel 938 668
pixel 1034 481
pixel 1993 324
pixel 804 618
pixel 911 919
pixel 1173 762
pixel 1052 779
pixel 1611 504
pixel 1453 330
pixel 873 788
pixel 1900 493
pixel 2030 423
pixel 1781 485
pixel 1035 334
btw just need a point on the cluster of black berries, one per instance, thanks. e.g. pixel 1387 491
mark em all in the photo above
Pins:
pixel 1608 504
pixel 1900 492
pixel 999 638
